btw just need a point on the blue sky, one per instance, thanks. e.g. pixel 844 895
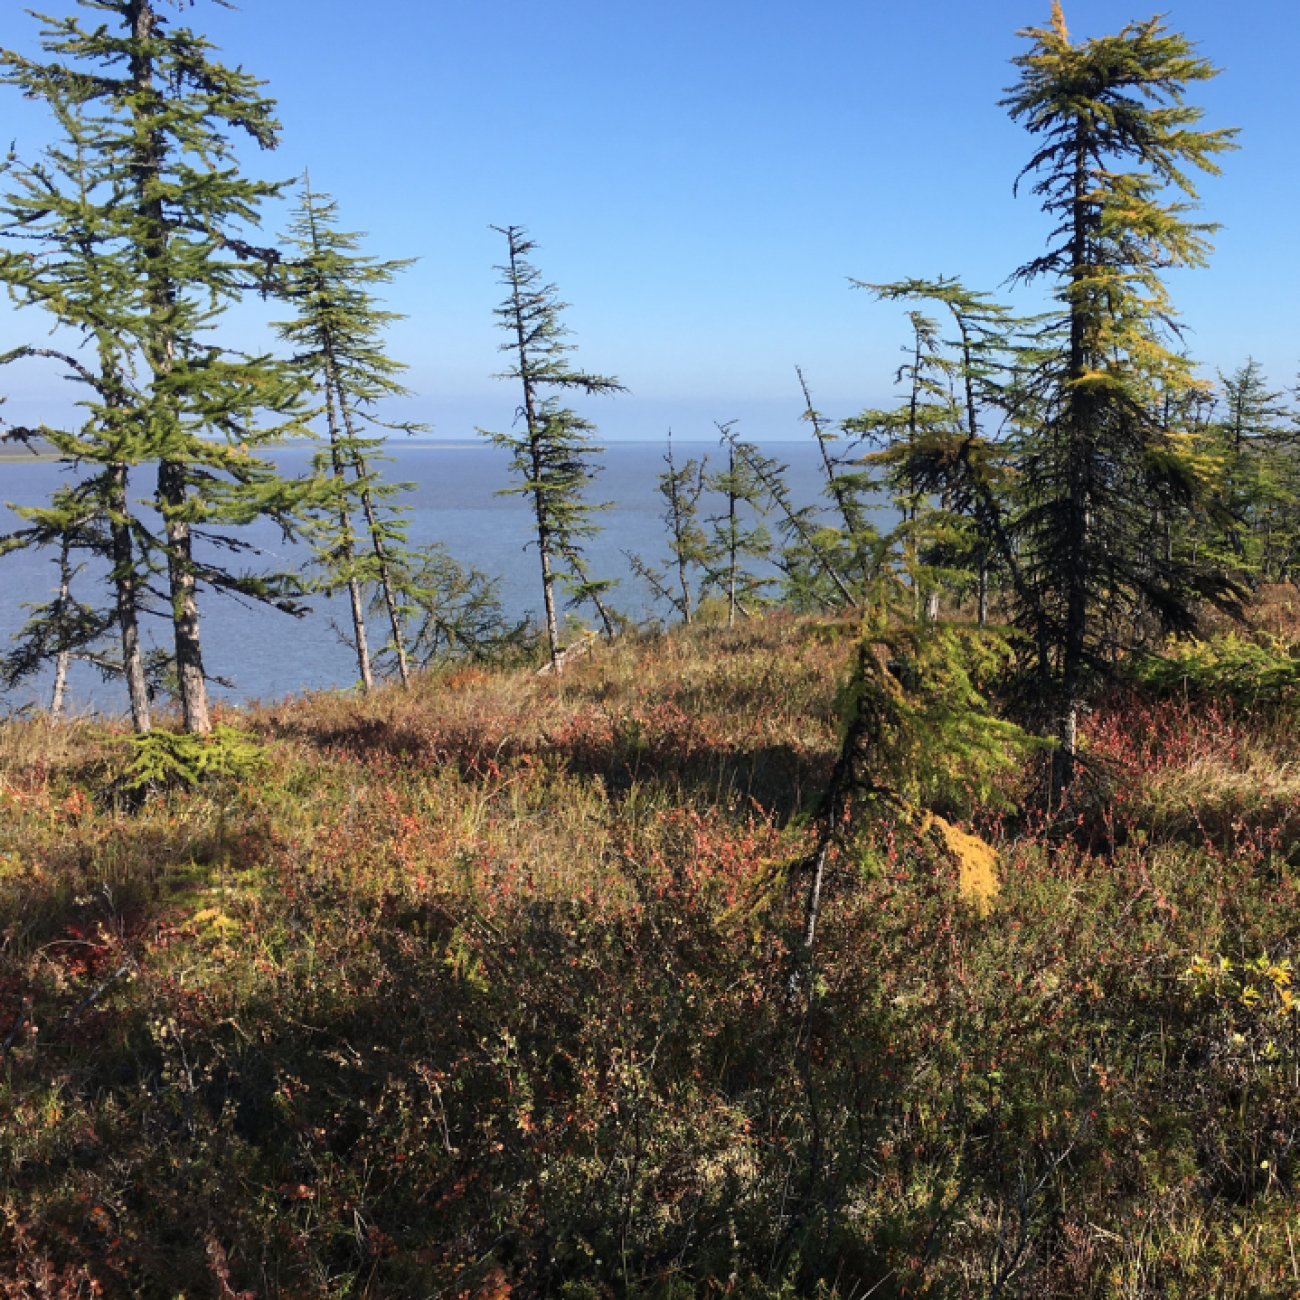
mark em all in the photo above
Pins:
pixel 704 178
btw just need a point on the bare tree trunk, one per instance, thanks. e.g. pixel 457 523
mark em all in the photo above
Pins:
pixel 64 656
pixel 185 608
pixel 381 554
pixel 347 545
pixel 548 593
pixel 731 537
pixel 126 584
pixel 60 685
pixel 359 635
pixel 984 588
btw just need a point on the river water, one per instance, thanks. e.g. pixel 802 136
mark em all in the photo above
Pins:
pixel 267 655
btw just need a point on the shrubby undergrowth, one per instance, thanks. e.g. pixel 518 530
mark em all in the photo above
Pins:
pixel 481 989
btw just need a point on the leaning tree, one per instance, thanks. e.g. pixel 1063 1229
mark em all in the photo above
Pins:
pixel 337 334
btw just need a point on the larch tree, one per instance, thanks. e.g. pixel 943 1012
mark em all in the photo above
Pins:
pixel 738 534
pixel 956 461
pixel 847 486
pixel 689 550
pixel 172 214
pixel 60 252
pixel 1114 135
pixel 65 628
pixel 553 452
pixel 337 334
pixel 1255 439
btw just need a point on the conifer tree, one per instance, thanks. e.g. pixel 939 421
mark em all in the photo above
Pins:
pixel 812 574
pixel 927 533
pixel 1252 530
pixel 65 628
pixel 954 462
pixel 553 451
pixel 738 532
pixel 857 543
pixel 170 208
pixel 337 335
pixel 681 488
pixel 83 282
pixel 1100 446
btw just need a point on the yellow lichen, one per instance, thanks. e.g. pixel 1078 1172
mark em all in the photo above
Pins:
pixel 977 862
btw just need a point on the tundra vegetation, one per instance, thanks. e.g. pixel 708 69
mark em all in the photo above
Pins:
pixel 911 911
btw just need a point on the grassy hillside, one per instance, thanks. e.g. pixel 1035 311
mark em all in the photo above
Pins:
pixel 484 990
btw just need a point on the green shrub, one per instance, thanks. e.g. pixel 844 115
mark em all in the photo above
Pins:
pixel 171 760
pixel 1260 669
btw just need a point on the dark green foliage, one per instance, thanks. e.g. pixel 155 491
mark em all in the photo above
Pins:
pixel 1096 448
pixel 738 533
pixel 65 628
pixel 810 555
pixel 853 544
pixel 456 614
pixel 938 460
pixel 1252 532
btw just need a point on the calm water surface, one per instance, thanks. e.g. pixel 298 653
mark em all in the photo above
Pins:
pixel 268 655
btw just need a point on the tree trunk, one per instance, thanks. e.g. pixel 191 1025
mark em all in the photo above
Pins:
pixel 160 347
pixel 185 608
pixel 126 585
pixel 60 685
pixel 731 537
pixel 1065 760
pixel 548 591
pixel 347 545
pixel 381 554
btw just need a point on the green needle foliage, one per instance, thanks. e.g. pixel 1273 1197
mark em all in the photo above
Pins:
pixel 1098 447
pixel 809 558
pixel 680 583
pixel 738 534
pixel 65 628
pixel 137 228
pixel 953 463
pixel 169 760
pixel 553 451
pixel 855 544
pixel 1253 533
pixel 360 538
pixel 81 280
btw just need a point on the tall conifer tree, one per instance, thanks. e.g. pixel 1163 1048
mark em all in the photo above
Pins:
pixel 171 212
pixel 338 334
pixel 553 451
pixel 1100 447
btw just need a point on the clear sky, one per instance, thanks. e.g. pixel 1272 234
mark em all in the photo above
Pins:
pixel 703 178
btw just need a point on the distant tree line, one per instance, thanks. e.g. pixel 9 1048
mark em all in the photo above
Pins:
pixel 1068 474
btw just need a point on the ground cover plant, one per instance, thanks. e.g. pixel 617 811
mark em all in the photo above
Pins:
pixel 482 988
